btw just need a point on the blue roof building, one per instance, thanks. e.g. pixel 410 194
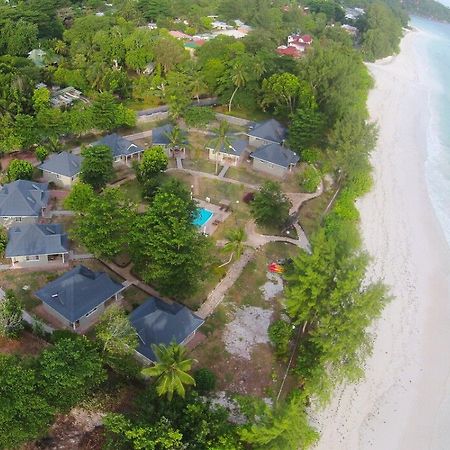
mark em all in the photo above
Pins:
pixel 122 149
pixel 158 322
pixel 62 168
pixel 31 244
pixel 79 296
pixel 22 201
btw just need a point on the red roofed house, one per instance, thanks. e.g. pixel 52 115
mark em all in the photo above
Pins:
pixel 293 52
pixel 179 35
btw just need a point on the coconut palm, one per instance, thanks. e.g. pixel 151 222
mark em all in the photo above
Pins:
pixel 236 243
pixel 221 140
pixel 198 86
pixel 171 370
pixel 176 137
pixel 239 77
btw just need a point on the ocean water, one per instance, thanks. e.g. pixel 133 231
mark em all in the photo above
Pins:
pixel 435 49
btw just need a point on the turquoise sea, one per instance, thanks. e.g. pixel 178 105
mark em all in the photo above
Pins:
pixel 435 49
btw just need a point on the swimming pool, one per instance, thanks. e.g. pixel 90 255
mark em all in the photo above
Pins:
pixel 203 217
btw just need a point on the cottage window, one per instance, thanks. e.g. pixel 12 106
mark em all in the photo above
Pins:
pixel 32 258
pixel 18 219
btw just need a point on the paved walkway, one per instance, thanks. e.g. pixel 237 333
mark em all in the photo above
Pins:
pixel 179 163
pixel 28 318
pixel 125 273
pixel 216 296
pixel 223 171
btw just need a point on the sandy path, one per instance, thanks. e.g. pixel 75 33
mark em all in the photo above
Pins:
pixel 402 403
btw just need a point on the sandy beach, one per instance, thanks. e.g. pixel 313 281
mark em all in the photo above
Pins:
pixel 404 400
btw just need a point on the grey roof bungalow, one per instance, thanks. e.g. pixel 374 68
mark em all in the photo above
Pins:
pixel 32 243
pixel 269 132
pixel 121 148
pixel 62 168
pixel 157 322
pixel 22 201
pixel 160 135
pixel 78 297
pixel 274 159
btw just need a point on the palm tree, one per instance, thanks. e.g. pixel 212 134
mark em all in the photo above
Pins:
pixel 239 78
pixel 60 47
pixel 171 370
pixel 235 245
pixel 221 140
pixel 198 86
pixel 176 138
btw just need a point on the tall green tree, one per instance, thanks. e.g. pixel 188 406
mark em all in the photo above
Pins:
pixel 284 427
pixel 69 370
pixel 96 166
pixel 328 297
pixel 239 76
pixel 270 206
pixel 10 315
pixel 105 223
pixel 175 256
pixel 24 413
pixel 171 370
pixel 220 140
pixel 80 197
pixel 115 333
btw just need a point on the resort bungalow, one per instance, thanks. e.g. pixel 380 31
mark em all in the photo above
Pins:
pixel 269 132
pixel 22 201
pixel 157 322
pixel 61 168
pixel 274 159
pixel 122 149
pixel 160 136
pixel 34 244
pixel 230 155
pixel 79 297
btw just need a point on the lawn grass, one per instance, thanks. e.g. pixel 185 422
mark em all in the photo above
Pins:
pixel 247 175
pixel 18 279
pixel 133 297
pixel 201 165
pixel 132 190
pixel 246 291
pixel 311 212
pixel 243 113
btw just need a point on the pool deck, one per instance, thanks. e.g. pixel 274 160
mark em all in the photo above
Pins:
pixel 218 215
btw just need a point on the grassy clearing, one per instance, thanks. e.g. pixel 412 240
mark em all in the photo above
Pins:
pixel 201 165
pixel 246 175
pixel 132 190
pixel 246 291
pixel 311 212
pixel 18 279
pixel 243 113
pixel 133 298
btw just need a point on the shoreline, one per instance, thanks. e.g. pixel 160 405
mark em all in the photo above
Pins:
pixel 401 402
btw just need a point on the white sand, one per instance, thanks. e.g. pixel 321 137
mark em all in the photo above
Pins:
pixel 404 401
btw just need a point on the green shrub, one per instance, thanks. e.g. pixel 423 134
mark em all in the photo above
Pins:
pixel 309 179
pixel 19 170
pixel 198 116
pixel 41 153
pixel 280 334
pixel 205 380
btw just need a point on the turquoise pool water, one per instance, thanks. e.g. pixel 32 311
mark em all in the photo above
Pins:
pixel 203 216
